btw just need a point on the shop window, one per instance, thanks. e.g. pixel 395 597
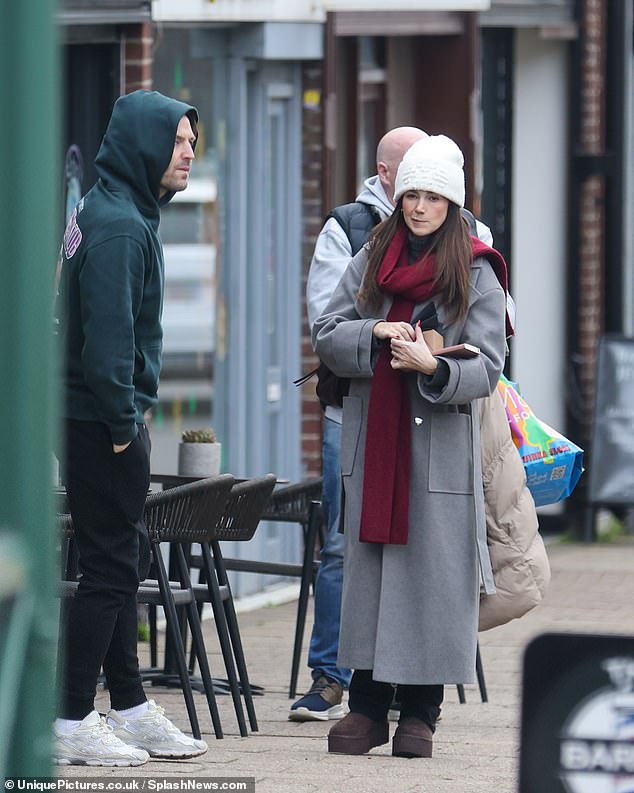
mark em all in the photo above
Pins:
pixel 371 103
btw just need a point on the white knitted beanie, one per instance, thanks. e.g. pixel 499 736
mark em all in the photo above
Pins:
pixel 436 164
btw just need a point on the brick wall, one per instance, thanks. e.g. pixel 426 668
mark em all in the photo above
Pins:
pixel 313 220
pixel 137 57
pixel 591 219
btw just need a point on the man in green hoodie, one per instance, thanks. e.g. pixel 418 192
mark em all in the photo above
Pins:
pixel 110 296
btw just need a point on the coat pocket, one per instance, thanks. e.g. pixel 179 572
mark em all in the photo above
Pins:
pixel 451 454
pixel 350 432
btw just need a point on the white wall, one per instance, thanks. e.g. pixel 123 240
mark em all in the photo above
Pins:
pixel 539 222
pixel 298 10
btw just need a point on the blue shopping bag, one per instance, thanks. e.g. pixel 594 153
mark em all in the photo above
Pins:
pixel 553 464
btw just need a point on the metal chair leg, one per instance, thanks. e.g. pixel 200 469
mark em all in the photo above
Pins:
pixel 304 592
pixel 198 644
pixel 480 675
pixel 481 682
pixel 234 633
pixel 153 637
pixel 215 597
pixel 173 630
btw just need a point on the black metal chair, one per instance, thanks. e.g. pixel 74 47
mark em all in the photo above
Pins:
pixel 174 516
pixel 481 682
pixel 298 503
pixel 240 519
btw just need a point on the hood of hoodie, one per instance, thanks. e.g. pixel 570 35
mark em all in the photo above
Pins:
pixel 373 195
pixel 138 146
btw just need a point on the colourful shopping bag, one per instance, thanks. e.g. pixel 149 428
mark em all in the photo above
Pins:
pixel 553 464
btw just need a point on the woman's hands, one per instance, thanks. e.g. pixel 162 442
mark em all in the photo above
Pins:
pixel 394 330
pixel 411 353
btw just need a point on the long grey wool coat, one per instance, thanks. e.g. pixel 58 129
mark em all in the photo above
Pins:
pixel 410 612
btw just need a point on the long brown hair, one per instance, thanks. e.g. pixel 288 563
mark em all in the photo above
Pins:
pixel 451 245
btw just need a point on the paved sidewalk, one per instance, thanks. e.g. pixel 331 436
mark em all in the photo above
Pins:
pixel 476 749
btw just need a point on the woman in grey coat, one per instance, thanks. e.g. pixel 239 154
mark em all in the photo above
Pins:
pixel 414 513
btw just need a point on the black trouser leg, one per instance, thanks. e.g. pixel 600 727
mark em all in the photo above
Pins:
pixel 121 665
pixel 422 702
pixel 369 697
pixel 106 496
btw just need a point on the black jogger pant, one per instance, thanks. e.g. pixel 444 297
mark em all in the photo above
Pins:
pixel 372 698
pixel 106 496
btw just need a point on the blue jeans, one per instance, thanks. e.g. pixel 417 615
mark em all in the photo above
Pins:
pixel 324 641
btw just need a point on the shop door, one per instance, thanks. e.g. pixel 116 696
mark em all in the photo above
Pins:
pixel 275 293
pixel 272 211
pixel 264 289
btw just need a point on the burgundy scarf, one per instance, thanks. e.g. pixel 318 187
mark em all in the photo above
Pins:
pixel 386 480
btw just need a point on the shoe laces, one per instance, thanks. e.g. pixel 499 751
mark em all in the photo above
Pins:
pixel 157 716
pixel 103 732
pixel 321 684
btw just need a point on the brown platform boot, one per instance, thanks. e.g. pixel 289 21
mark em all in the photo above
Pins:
pixel 413 738
pixel 357 734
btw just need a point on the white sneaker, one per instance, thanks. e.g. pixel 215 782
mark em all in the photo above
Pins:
pixel 155 733
pixel 93 742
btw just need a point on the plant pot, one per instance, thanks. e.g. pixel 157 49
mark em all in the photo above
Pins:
pixel 199 459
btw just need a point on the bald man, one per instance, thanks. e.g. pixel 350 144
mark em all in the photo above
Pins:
pixel 345 232
pixel 334 248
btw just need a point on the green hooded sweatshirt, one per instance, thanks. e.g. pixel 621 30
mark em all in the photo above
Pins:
pixel 111 271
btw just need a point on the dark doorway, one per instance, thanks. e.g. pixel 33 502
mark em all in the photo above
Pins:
pixel 91 85
pixel 497 115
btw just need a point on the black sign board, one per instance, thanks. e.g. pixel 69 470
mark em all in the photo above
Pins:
pixel 578 715
pixel 612 463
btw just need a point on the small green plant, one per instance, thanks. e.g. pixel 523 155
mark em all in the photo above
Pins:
pixel 199 436
pixel 610 528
